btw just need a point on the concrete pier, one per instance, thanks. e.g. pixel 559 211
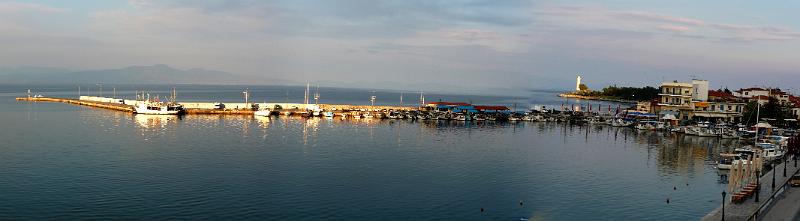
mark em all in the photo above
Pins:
pixel 208 107
pixel 112 106
pixel 751 210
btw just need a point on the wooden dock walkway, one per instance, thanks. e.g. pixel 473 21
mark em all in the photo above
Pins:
pixel 749 209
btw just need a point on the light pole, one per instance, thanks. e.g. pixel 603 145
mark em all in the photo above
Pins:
pixel 758 183
pixel 723 205
pixel 773 174
pixel 784 164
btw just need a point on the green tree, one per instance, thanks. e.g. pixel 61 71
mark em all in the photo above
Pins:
pixel 772 109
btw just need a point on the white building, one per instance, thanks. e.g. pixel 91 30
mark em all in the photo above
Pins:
pixel 750 92
pixel 700 90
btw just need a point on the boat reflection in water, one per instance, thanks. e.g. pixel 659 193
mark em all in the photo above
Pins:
pixel 154 121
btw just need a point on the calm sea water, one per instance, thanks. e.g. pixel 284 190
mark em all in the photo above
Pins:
pixel 69 162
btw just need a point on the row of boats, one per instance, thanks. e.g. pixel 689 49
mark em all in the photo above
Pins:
pixel 399 114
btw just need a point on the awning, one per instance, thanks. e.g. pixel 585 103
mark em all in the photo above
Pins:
pixel 665 112
pixel 669 117
pixel 711 115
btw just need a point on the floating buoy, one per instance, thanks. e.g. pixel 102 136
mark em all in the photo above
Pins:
pixel 520 203
pixel 674 188
pixel 667 200
pixel 481 209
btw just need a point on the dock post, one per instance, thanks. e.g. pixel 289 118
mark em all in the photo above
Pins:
pixel 723 205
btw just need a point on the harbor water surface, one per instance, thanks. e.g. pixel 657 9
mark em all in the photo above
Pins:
pixel 71 162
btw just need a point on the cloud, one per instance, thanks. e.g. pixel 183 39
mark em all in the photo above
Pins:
pixel 655 17
pixel 674 28
pixel 18 7
pixel 591 17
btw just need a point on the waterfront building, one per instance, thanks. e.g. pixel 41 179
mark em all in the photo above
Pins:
pixel 676 99
pixel 751 92
pixel 720 106
pixel 445 106
pixel 693 101
pixel 700 90
pixel 460 107
pixel 762 95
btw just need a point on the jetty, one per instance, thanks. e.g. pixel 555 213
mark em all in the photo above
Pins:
pixel 211 107
pixel 773 185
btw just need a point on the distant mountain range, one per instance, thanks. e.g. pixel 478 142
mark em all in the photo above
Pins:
pixel 153 74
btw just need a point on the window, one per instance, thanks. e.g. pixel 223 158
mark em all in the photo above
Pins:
pixel 712 107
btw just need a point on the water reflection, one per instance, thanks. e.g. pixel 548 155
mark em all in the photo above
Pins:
pixel 154 121
pixel 522 157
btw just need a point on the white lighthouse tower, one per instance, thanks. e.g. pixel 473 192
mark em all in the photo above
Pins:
pixel 578 84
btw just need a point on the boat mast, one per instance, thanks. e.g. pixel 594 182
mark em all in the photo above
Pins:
pixel 316 96
pixel 421 99
pixel 306 93
pixel 246 97
pixel 758 116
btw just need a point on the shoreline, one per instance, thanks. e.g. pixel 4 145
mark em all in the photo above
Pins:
pixel 575 96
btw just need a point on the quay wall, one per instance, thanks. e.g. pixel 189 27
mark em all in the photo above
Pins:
pixel 207 107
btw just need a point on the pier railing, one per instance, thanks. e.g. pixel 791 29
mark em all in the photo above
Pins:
pixel 764 207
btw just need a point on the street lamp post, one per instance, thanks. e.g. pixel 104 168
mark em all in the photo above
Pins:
pixel 784 164
pixel 773 174
pixel 758 183
pixel 723 205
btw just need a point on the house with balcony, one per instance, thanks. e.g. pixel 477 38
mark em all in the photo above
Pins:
pixel 720 106
pixel 676 99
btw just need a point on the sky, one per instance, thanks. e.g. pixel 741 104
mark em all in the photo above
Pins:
pixel 452 44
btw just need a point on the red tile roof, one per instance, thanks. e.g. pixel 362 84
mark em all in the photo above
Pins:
pixel 751 89
pixel 720 94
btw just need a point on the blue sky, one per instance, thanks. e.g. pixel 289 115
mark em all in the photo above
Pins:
pixel 456 44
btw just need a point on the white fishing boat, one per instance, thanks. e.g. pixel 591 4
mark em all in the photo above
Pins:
pixel 770 151
pixel 726 160
pixel 328 114
pixel 706 132
pixel 157 108
pixel 263 113
pixel 693 131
